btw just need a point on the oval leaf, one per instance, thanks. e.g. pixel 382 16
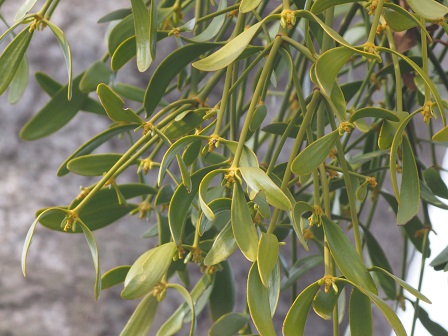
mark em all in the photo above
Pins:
pixel 258 181
pixel 360 314
pixel 114 276
pixel 12 56
pixel 147 271
pixel 229 324
pixel 248 5
pixel 242 225
pixel 314 154
pixel 258 302
pixel 267 256
pixel 294 324
pixel 142 318
pixel 142 30
pixel 429 9
pixel 230 52
pixel 93 165
pixel 374 112
pixel 223 246
pixel 345 256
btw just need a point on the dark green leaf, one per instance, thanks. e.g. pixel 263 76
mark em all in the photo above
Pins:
pixel 360 314
pixel 96 74
pixel 93 164
pixel 433 327
pixel 324 303
pixel 435 182
pixel 221 208
pixel 229 324
pixel 115 15
pixel 374 112
pixel 300 268
pixel 223 296
pixel 19 82
pixel 441 261
pixel 168 69
pixel 55 114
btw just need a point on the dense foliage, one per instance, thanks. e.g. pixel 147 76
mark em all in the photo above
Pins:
pixel 269 124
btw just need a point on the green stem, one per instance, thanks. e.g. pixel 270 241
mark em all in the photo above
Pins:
pixel 254 102
pixel 376 20
pixel 302 131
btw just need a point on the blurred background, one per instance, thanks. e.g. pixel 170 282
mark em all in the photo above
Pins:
pixel 57 296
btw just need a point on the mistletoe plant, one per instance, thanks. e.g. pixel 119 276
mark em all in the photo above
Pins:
pixel 245 82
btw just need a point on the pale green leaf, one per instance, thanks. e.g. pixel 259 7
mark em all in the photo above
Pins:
pixel 267 256
pixel 141 320
pixel 142 30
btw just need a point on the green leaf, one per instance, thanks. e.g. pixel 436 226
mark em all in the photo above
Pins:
pixel 130 92
pixel 55 114
pixel 12 56
pixel 429 9
pixel 229 52
pixel 324 303
pixel 203 187
pixel 442 135
pixel 267 256
pixel 258 302
pixel 188 299
pixel 378 258
pixel 114 276
pixel 153 35
pixel 300 268
pixel 360 314
pixel 223 246
pixel 441 261
pixel 181 203
pixel 398 21
pixel 19 82
pixel 183 314
pixel 29 236
pixel 142 30
pixel 174 150
pixel 320 5
pixel 258 181
pixel 259 115
pixel 65 46
pixel 410 186
pixel 248 157
pixel 242 225
pixel 141 320
pixel 274 288
pixel 428 196
pixel 389 130
pixel 95 256
pixel 294 324
pixel 92 144
pixel 213 27
pixel 223 296
pixel 297 222
pixel 314 154
pixel 374 112
pixel 434 328
pixel 403 284
pixel 95 74
pixel 188 122
pixel 147 271
pixel 424 77
pixel 247 6
pixel 345 256
pixel 387 311
pixel 168 69
pixel 93 164
pixel 121 32
pixel 24 9
pixel 435 182
pixel 229 324
pixel 361 191
pixel 278 128
pixel 328 66
pixel 102 209
pixel 115 15
pixel 114 106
